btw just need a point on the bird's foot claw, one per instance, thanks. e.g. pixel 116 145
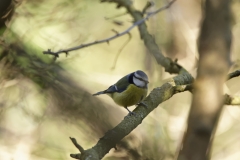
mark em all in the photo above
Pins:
pixel 130 112
pixel 142 103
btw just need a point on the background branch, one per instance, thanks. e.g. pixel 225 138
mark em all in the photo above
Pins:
pixel 107 40
pixel 78 146
pixel 176 85
pixel 169 65
pixel 232 100
pixel 139 20
pixel 214 46
pixel 61 90
pixel 234 74
pixel 120 50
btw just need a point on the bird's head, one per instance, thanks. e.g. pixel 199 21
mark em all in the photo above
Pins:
pixel 140 79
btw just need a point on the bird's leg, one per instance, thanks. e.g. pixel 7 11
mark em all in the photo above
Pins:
pixel 130 112
pixel 142 103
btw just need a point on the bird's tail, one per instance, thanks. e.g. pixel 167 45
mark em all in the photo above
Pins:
pixel 98 93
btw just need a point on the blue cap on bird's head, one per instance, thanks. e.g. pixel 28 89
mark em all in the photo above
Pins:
pixel 141 75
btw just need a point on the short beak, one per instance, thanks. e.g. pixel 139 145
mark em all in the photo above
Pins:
pixel 147 82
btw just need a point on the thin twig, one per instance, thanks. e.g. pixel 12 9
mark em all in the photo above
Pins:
pixel 106 40
pixel 120 50
pixel 147 6
pixel 116 16
pixel 149 14
pixel 74 141
pixel 233 74
pixel 232 100
pixel 75 156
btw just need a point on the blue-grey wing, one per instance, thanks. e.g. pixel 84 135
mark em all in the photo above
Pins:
pixel 111 89
pixel 115 88
pixel 119 87
pixel 123 83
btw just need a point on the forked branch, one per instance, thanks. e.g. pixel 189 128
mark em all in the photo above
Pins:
pixel 169 65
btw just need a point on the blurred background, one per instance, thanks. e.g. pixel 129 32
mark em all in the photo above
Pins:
pixel 44 102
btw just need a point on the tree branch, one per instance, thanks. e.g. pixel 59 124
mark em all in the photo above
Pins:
pixel 78 146
pixel 230 100
pixel 147 6
pixel 120 50
pixel 233 74
pixel 107 40
pixel 157 96
pixel 169 65
pixel 214 46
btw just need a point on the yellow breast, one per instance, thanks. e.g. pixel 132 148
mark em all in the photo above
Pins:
pixel 131 96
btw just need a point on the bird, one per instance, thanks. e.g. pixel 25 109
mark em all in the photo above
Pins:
pixel 129 90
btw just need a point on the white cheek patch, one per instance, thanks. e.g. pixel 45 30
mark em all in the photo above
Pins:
pixel 138 82
pixel 140 77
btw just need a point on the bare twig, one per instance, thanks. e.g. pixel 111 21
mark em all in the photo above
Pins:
pixel 147 6
pixel 120 50
pixel 78 146
pixel 230 100
pixel 234 74
pixel 116 16
pixel 75 156
pixel 149 41
pixel 118 23
pixel 106 40
pixel 160 9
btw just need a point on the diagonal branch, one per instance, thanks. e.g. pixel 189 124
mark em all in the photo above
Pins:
pixel 107 40
pixel 113 136
pixel 233 74
pixel 157 96
pixel 178 84
pixel 169 65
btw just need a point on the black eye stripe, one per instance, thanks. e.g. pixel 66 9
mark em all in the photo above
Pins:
pixel 139 78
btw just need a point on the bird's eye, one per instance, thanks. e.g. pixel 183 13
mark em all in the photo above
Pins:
pixel 140 79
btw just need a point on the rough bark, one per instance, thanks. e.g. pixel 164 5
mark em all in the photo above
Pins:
pixel 214 49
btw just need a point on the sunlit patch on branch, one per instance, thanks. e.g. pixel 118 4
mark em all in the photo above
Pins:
pixel 232 100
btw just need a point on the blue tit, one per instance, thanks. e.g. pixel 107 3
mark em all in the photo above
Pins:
pixel 129 90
